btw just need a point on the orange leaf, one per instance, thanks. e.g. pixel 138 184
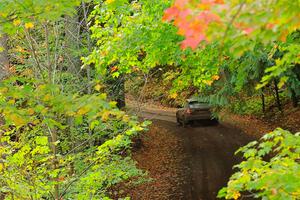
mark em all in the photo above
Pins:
pixel 215 77
pixel 208 82
pixel 114 68
pixel 30 111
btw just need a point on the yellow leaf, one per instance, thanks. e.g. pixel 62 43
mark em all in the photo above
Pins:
pixel 236 195
pixel 70 113
pixel 104 53
pixel 284 35
pixel 16 22
pixel 30 111
pixel 47 97
pixel 19 49
pixel 83 111
pixel 110 1
pixel 29 25
pixel 27 72
pixel 126 118
pixel 98 87
pixel 204 6
pixel 173 96
pixel 44 111
pixel 48 8
pixel 3 90
pixel 4 15
pixel 11 102
pixel 19 121
pixel 215 77
pixel 136 6
pixel 208 82
pixel 113 103
pixel 42 87
pixel 105 115
pixel 36 121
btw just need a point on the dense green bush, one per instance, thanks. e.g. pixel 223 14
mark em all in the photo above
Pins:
pixel 271 169
pixel 253 105
pixel 56 145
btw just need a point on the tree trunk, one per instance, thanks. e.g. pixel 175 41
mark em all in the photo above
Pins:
pixel 86 29
pixel 72 43
pixel 294 98
pixel 295 91
pixel 116 89
pixel 263 101
pixel 277 95
pixel 121 93
pixel 4 62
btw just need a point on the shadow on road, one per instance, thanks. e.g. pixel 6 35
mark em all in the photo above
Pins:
pixel 204 123
pixel 210 148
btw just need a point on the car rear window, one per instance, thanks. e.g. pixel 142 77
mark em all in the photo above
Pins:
pixel 197 104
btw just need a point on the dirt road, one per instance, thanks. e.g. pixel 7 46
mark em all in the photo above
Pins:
pixel 209 152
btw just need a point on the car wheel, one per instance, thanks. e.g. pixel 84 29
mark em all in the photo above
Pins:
pixel 178 121
pixel 184 123
pixel 192 123
pixel 215 121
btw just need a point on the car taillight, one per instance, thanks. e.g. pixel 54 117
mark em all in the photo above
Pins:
pixel 189 111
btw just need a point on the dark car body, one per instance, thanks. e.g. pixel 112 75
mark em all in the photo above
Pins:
pixel 192 111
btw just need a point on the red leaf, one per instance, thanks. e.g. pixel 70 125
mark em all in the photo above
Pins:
pixel 270 26
pixel 208 17
pixel 114 68
pixel 192 42
pixel 191 25
pixel 248 30
pixel 171 13
pixel 181 3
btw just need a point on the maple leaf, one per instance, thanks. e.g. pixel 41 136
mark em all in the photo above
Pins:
pixel 197 26
pixel 212 2
pixel 192 42
pixel 219 1
pixel 170 13
pixel 114 68
pixel 270 25
pixel 184 27
pixel 184 14
pixel 248 30
pixel 181 3
pixel 244 27
pixel 215 77
pixel 208 17
pixel 191 25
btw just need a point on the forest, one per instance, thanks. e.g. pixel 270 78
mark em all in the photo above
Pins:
pixel 70 70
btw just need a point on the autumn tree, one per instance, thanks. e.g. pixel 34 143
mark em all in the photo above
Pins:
pixel 61 137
